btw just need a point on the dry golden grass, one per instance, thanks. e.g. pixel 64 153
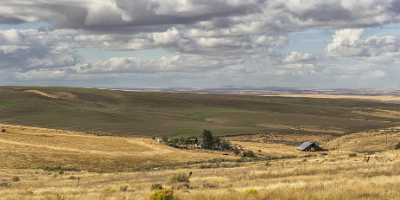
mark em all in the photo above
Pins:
pixel 55 95
pixel 341 174
pixel 374 141
pixel 32 148
pixel 317 178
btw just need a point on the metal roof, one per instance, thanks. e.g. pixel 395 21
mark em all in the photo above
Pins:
pixel 306 145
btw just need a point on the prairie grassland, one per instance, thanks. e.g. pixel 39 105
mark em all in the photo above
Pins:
pixel 383 98
pixel 51 164
pixel 184 114
pixel 38 148
pixel 316 178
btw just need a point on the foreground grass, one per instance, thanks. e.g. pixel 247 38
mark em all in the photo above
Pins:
pixel 319 178
pixel 46 164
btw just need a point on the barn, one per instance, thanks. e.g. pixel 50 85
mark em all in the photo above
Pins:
pixel 309 146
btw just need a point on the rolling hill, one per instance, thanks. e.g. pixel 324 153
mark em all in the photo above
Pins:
pixel 39 163
pixel 156 113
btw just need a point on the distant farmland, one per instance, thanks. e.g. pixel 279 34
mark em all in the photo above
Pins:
pixel 152 113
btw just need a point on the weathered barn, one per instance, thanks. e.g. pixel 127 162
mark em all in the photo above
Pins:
pixel 309 146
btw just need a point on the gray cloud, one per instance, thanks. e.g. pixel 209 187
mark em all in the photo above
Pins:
pixel 31 49
pixel 349 43
pixel 245 37
pixel 118 15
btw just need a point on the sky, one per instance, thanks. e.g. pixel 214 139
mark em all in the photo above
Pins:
pixel 201 43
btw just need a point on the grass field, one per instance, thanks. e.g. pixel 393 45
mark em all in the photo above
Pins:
pixel 94 144
pixel 152 113
pixel 37 163
pixel 39 148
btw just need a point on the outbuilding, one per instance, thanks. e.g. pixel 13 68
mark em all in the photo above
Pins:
pixel 309 146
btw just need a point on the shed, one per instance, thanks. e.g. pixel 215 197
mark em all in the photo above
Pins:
pixel 309 146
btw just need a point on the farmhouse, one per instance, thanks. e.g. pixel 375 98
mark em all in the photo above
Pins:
pixel 309 146
pixel 158 140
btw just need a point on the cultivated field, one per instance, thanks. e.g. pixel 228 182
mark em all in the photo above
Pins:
pixel 39 163
pixel 155 114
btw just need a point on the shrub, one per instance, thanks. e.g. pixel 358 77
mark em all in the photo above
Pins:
pixel 251 192
pixel 5 184
pixel 352 155
pixel 60 197
pixel 173 142
pixel 236 151
pixel 248 154
pixel 225 145
pixel 180 178
pixel 16 179
pixel 123 188
pixel 164 194
pixel 3 130
pixel 397 147
pixel 156 186
pixel 61 168
pixel 209 185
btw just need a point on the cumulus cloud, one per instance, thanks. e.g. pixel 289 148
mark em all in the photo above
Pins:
pixel 349 42
pixel 296 57
pixel 122 14
pixel 29 49
pixel 126 14
pixel 41 74
pixel 175 63
pixel 200 35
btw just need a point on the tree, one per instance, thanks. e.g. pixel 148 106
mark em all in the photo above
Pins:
pixel 208 139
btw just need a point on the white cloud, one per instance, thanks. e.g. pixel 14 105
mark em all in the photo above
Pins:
pixel 174 63
pixel 244 36
pixel 349 42
pixel 296 57
pixel 165 38
pixel 32 49
pixel 41 74
pixel 345 42
pixel 10 36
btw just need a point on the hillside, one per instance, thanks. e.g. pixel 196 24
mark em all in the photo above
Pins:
pixel 38 163
pixel 153 113
pixel 39 148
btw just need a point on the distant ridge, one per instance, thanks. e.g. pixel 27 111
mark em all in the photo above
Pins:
pixel 266 90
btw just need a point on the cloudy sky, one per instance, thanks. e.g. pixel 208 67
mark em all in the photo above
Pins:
pixel 201 43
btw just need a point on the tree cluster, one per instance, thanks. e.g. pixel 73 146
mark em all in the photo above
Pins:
pixel 206 141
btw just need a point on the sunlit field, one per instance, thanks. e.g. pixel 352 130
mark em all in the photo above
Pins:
pixel 39 163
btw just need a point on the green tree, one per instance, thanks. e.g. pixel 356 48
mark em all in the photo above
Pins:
pixel 208 139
